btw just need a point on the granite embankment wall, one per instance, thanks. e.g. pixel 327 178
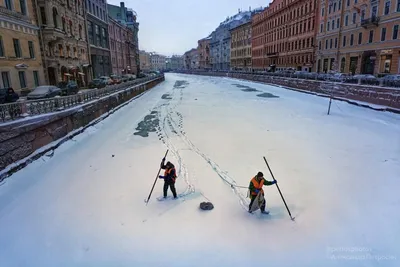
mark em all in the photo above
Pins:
pixel 388 98
pixel 25 140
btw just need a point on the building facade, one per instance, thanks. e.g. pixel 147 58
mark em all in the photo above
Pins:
pixel 121 48
pixel 157 62
pixel 191 59
pixel 128 17
pixel 358 37
pixel 177 62
pixel 63 41
pixel 203 47
pixel 283 36
pixel 145 63
pixel 97 27
pixel 20 58
pixel 220 43
pixel 241 47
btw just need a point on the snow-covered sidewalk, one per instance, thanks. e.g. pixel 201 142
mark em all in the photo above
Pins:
pixel 339 174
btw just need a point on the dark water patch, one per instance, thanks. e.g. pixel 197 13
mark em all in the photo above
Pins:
pixel 250 90
pixel 245 88
pixel 149 124
pixel 166 96
pixel 180 84
pixel 268 95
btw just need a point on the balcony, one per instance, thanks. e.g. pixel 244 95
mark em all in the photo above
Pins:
pixel 53 34
pixel 15 15
pixel 271 55
pixel 370 22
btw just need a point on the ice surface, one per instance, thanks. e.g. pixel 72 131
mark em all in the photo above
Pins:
pixel 339 174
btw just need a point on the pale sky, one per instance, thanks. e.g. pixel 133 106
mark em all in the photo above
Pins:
pixel 174 26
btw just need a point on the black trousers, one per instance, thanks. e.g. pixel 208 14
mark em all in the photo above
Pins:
pixel 170 184
pixel 262 207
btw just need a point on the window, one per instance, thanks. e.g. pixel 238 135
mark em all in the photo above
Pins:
pixel 43 15
pixel 362 14
pixel 387 7
pixel 330 43
pixel 371 36
pixel 330 9
pixel 398 6
pixel 354 17
pixel 326 44
pixel 336 42
pixel 355 1
pixel 322 12
pixel 334 7
pixel 55 17
pixel 351 39
pixel 374 11
pixel 36 77
pixel 31 49
pixel 333 24
pixel 80 31
pixel 97 11
pixel 5 76
pixel 319 45
pixel 1 47
pixel 348 2
pixel 328 26
pixel 90 32
pixel 71 28
pixel 17 48
pixel 22 4
pixel 344 41
pixel 9 4
pixel 360 38
pixel 22 80
pixel 340 4
pixel 395 32
pixel 383 34
pixel 322 26
pixel 337 23
pixel 346 20
pixel 97 33
pixel 90 6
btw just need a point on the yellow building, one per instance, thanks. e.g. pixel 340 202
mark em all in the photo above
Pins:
pixel 359 36
pixel 20 59
pixel 145 64
pixel 241 47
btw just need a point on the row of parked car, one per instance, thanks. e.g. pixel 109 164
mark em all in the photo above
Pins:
pixel 391 80
pixel 103 81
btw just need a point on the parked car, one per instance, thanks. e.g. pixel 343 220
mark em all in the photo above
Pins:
pixel 391 80
pixel 44 91
pixel 340 77
pixel 8 95
pixel 68 87
pixel 365 79
pixel 97 83
pixel 124 78
pixel 116 79
pixel 107 80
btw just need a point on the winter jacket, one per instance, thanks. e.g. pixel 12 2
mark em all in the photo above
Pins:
pixel 255 184
pixel 169 173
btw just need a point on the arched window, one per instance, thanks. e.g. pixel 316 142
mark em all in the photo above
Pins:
pixel 70 28
pixel 63 24
pixel 55 17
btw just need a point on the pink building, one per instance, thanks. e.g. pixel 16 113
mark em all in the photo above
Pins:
pixel 121 48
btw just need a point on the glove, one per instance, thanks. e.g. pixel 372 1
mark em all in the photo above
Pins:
pixel 161 177
pixel 256 191
pixel 274 182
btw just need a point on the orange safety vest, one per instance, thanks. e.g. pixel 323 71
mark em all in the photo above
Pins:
pixel 168 171
pixel 257 185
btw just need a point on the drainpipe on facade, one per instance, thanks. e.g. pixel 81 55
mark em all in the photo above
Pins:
pixel 90 72
pixel 339 36
pixel 39 23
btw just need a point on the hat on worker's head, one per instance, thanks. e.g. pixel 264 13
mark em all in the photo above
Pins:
pixel 260 175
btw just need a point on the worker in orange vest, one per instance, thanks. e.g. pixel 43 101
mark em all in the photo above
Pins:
pixel 255 187
pixel 169 177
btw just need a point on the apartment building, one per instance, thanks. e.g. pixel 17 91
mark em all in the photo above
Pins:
pixel 20 59
pixel 356 36
pixel 283 36
pixel 203 47
pixel 241 47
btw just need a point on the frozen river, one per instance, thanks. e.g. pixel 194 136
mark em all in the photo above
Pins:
pixel 339 174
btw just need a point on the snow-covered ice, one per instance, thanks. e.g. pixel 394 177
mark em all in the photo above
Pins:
pixel 339 174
